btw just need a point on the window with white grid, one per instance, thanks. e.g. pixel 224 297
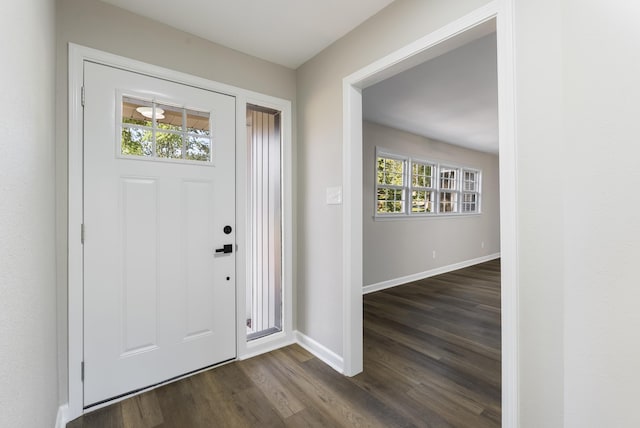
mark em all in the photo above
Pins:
pixel 414 187
pixel 422 187
pixel 470 191
pixel 449 189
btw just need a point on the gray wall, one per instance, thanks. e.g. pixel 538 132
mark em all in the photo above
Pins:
pixel 400 247
pixel 319 231
pixel 101 26
pixel 28 353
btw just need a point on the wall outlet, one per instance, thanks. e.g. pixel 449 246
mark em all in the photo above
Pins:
pixel 434 254
pixel 482 244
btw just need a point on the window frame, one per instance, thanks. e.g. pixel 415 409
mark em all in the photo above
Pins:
pixel 154 129
pixel 436 188
pixel 476 192
pixel 431 189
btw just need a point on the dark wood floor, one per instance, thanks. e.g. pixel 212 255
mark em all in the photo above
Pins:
pixel 432 359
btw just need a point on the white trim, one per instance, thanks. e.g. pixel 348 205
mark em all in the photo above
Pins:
pixel 426 274
pixel 352 276
pixel 508 213
pixel 321 352
pixel 77 56
pixel 62 418
pixel 267 344
pixel 248 349
pixel 404 58
pixel 75 219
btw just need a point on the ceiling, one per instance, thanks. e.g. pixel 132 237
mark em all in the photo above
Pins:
pixel 451 98
pixel 287 32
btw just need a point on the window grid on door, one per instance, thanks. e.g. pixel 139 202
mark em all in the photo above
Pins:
pixel 159 131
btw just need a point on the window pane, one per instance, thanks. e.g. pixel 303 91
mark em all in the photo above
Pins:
pixel 198 148
pixel 421 175
pixel 421 201
pixel 168 145
pixel 133 109
pixel 136 142
pixel 198 123
pixel 470 181
pixel 390 201
pixel 469 202
pixel 448 177
pixel 469 207
pixel 169 117
pixel 390 171
pixel 448 202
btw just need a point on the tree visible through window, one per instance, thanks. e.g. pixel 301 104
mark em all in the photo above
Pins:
pixel 422 187
pixel 391 185
pixel 155 130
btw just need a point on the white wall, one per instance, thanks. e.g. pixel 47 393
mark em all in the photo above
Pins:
pixel 579 229
pixel 401 247
pixel 540 215
pixel 28 377
pixel 319 230
pixel 601 77
pixel 101 26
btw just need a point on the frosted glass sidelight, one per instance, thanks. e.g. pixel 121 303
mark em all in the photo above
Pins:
pixel 264 289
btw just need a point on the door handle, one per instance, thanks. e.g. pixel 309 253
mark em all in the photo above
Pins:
pixel 227 248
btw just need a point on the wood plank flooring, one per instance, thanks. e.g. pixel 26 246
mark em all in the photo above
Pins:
pixel 431 359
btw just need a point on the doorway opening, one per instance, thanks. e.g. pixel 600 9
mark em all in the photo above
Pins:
pixel 495 16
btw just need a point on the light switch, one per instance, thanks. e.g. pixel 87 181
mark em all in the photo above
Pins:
pixel 334 195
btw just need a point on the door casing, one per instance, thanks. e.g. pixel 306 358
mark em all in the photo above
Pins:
pixel 77 56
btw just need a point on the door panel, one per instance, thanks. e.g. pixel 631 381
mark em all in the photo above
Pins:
pixel 159 302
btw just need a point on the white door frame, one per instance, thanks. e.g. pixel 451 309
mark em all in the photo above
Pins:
pixel 77 56
pixel 404 58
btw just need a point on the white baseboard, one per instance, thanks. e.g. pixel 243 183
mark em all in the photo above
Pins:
pixel 426 274
pixel 323 353
pixel 63 416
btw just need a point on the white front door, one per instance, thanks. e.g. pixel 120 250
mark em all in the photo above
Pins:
pixel 159 209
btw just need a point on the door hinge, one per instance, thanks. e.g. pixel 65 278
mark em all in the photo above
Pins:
pixel 82 233
pixel 82 371
pixel 82 96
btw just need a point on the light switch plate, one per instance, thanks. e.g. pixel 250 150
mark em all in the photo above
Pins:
pixel 334 195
